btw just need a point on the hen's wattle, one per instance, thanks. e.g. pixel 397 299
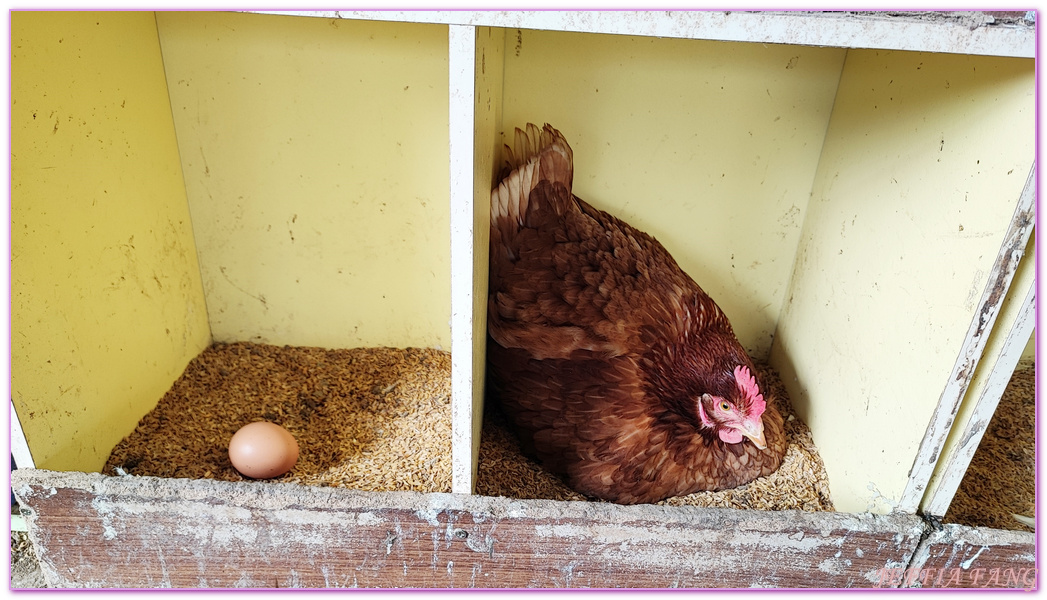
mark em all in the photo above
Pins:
pixel 615 368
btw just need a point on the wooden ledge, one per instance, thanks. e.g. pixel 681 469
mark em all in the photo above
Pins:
pixel 93 531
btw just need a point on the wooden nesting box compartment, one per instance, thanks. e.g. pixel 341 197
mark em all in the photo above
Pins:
pixel 800 186
pixel 253 197
pixel 855 191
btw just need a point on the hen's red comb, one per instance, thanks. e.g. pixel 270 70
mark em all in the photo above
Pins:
pixel 747 384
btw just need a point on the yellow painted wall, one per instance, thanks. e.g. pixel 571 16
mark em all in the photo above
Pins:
pixel 711 147
pixel 924 161
pixel 106 302
pixel 316 166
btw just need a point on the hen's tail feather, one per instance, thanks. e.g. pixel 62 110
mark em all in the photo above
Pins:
pixel 527 144
pixel 539 155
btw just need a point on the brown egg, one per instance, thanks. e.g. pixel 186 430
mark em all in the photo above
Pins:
pixel 262 450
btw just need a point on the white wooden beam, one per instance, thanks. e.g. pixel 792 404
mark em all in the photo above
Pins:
pixel 996 288
pixel 951 473
pixel 461 59
pixel 967 32
pixel 23 460
pixel 19 445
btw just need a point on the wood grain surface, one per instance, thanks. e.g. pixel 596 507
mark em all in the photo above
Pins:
pixel 96 531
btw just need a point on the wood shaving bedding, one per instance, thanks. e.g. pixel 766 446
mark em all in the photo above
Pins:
pixel 379 419
pixel 1001 479
pixel 374 419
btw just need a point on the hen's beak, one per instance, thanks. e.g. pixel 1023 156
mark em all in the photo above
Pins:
pixel 754 431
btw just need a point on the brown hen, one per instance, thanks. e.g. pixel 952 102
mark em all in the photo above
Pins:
pixel 616 369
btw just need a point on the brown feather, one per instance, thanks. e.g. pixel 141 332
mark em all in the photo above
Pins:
pixel 600 345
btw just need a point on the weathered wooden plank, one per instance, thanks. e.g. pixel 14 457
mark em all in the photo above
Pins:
pixel 997 285
pixel 466 330
pixel 951 471
pixel 966 32
pixel 966 557
pixel 97 531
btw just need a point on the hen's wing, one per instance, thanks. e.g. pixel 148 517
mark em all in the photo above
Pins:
pixel 560 408
pixel 559 403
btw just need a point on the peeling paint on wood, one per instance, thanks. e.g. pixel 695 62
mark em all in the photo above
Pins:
pixel 960 556
pixel 963 32
pixel 97 531
pixel 999 282
pixel 951 470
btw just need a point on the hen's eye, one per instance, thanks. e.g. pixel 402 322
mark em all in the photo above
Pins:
pixel 724 406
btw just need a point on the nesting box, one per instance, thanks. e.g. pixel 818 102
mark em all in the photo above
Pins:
pixel 854 190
